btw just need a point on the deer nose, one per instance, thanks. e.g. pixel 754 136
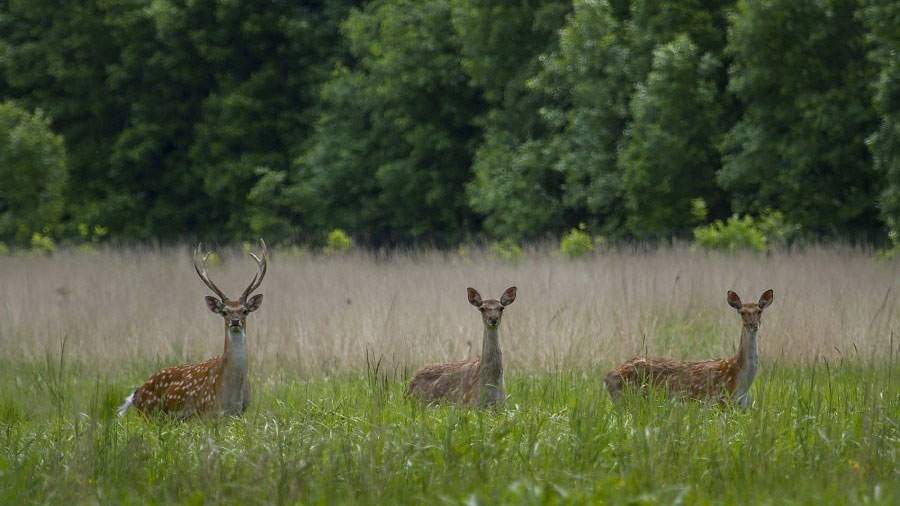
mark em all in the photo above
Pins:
pixel 235 322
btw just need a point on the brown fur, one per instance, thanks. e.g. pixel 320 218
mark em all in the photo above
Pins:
pixel 717 379
pixel 182 390
pixel 707 379
pixel 220 384
pixel 477 381
pixel 455 382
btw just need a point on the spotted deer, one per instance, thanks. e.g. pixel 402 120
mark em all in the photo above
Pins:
pixel 219 385
pixel 477 381
pixel 718 379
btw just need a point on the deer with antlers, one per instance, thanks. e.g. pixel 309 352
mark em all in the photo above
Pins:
pixel 477 381
pixel 219 385
pixel 719 379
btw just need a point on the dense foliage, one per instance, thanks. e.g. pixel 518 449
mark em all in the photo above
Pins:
pixel 33 170
pixel 445 121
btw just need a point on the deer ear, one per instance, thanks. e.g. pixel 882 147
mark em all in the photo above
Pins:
pixel 733 300
pixel 509 296
pixel 767 297
pixel 254 302
pixel 214 304
pixel 474 297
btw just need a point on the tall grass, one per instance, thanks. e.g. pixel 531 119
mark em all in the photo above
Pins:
pixel 337 336
pixel 816 435
pixel 321 314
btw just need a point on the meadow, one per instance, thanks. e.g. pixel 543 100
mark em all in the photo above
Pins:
pixel 337 337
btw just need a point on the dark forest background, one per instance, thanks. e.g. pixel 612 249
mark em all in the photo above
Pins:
pixel 439 122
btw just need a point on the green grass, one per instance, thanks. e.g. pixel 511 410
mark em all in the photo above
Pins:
pixel 820 434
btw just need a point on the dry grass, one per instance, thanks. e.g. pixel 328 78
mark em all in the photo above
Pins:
pixel 321 314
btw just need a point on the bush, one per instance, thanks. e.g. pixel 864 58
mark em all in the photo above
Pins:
pixel 733 234
pixel 338 242
pixel 576 243
pixel 508 250
pixel 777 231
pixel 41 243
pixel 747 232
pixel 33 173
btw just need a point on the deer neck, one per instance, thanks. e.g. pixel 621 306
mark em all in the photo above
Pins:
pixel 490 373
pixel 747 361
pixel 234 364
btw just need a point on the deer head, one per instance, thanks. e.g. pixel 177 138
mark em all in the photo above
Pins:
pixel 491 310
pixel 234 311
pixel 751 313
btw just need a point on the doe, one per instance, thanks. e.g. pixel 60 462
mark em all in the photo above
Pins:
pixel 219 385
pixel 477 381
pixel 718 379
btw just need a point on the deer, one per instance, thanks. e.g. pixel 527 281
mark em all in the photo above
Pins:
pixel 219 385
pixel 477 381
pixel 722 380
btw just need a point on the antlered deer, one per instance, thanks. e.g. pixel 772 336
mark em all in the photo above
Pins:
pixel 477 381
pixel 219 385
pixel 719 379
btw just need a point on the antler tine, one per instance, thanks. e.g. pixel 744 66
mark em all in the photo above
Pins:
pixel 204 276
pixel 262 264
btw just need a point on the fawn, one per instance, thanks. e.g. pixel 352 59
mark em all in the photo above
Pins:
pixel 719 379
pixel 477 381
pixel 219 385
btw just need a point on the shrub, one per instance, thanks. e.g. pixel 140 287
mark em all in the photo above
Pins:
pixel 699 211
pixel 91 234
pixel 41 243
pixel 733 234
pixel 892 251
pixel 213 260
pixel 508 250
pixel 747 232
pixel 576 243
pixel 338 242
pixel 777 231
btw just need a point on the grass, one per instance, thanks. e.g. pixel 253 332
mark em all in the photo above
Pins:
pixel 820 434
pixel 337 337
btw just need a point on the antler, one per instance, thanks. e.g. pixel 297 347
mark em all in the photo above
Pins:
pixel 261 263
pixel 203 274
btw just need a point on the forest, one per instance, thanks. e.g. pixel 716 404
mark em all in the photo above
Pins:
pixel 445 122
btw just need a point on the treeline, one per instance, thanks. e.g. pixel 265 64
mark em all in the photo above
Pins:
pixel 443 121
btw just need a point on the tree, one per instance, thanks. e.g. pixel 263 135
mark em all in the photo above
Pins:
pixel 588 84
pixel 268 69
pixel 670 156
pixel 393 147
pixel 883 21
pixel 223 96
pixel 605 52
pixel 55 59
pixel 173 112
pixel 33 170
pixel 501 43
pixel 801 73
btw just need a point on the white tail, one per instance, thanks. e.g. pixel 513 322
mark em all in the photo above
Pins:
pixel 127 404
